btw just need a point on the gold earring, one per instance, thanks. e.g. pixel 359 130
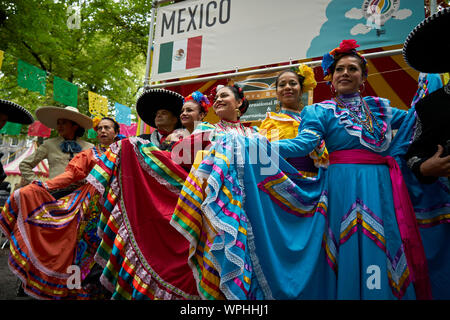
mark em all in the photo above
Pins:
pixel 238 113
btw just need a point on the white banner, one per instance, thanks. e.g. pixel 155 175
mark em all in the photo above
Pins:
pixel 201 37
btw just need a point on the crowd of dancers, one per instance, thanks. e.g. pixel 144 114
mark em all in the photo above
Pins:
pixel 343 199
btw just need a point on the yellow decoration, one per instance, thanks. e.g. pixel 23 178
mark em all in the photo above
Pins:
pixel 310 82
pixel 446 77
pixel 95 121
pixel 98 105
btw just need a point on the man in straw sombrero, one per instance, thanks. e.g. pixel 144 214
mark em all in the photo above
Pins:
pixel 12 112
pixel 71 125
pixel 160 109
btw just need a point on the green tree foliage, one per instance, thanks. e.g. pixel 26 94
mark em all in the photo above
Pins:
pixel 106 54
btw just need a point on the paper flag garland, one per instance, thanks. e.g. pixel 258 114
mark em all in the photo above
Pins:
pixel 11 128
pixel 31 77
pixel 98 105
pixel 446 77
pixel 37 129
pixel 123 114
pixel 92 133
pixel 65 92
pixel 128 131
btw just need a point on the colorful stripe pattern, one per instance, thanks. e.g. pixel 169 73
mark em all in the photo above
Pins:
pixel 27 260
pixel 431 217
pixel 43 238
pixel 281 190
pixel 126 272
pixel 210 214
pixel 361 218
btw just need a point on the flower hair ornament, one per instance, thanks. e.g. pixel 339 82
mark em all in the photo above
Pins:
pixel 307 73
pixel 200 98
pixel 241 92
pixel 346 46
pixel 95 121
pixel 238 89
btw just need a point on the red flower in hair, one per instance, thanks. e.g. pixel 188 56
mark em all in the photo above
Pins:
pixel 347 45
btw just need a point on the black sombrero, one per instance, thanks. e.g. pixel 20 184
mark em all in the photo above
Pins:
pixel 16 113
pixel 153 100
pixel 426 49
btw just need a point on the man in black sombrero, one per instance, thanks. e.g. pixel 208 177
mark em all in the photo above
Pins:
pixel 12 112
pixel 426 51
pixel 160 109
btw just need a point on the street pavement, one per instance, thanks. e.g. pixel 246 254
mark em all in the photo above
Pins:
pixel 8 281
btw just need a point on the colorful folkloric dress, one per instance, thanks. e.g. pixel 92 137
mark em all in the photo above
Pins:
pixel 49 235
pixel 213 132
pixel 377 251
pixel 260 231
pixel 284 125
pixel 143 256
pixel 431 200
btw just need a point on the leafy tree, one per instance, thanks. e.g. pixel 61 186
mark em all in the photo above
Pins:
pixel 106 54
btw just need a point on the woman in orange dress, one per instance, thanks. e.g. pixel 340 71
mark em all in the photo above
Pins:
pixel 51 248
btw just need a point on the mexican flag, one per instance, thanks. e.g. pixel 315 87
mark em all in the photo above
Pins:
pixel 180 55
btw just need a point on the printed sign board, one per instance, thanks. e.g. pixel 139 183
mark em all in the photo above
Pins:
pixel 201 37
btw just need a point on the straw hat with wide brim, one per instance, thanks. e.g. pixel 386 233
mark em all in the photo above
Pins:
pixel 153 100
pixel 426 48
pixel 50 115
pixel 15 112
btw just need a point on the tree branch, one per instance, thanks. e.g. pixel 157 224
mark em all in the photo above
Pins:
pixel 35 55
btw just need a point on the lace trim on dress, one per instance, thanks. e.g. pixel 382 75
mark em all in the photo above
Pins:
pixel 377 144
pixel 134 142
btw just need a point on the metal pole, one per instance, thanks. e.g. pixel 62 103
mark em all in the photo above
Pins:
pixel 433 6
pixel 271 69
pixel 150 43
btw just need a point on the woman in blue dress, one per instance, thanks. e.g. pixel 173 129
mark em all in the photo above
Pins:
pixel 259 231
pixel 376 247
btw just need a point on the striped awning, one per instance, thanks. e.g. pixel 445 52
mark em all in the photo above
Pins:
pixel 40 170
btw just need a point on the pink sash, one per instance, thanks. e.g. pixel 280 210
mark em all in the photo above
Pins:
pixel 404 211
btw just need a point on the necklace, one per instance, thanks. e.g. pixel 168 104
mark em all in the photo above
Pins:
pixel 364 117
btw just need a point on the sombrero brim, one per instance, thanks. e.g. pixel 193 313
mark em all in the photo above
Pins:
pixel 50 115
pixel 425 49
pixel 155 99
pixel 16 113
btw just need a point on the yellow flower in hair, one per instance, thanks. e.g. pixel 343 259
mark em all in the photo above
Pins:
pixel 310 82
pixel 95 121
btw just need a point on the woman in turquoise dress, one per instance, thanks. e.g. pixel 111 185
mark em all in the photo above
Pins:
pixel 378 253
pixel 258 231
